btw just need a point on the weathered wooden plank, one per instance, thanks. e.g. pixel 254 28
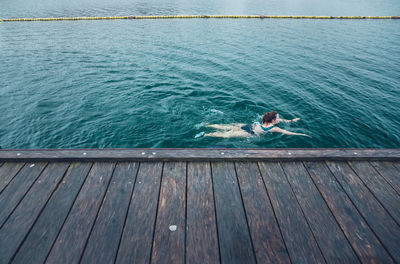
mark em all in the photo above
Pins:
pixel 234 238
pixel 201 230
pixel 21 220
pixel 376 216
pixel 169 236
pixel 103 242
pixel 201 154
pixel 379 187
pixel 397 165
pixel 44 232
pixel 16 189
pixel 137 238
pixel 388 171
pixel 8 172
pixel 298 237
pixel 267 239
pixel 70 243
pixel 330 238
pixel 357 231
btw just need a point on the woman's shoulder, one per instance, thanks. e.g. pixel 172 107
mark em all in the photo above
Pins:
pixel 259 128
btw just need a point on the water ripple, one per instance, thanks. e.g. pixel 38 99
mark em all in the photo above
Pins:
pixel 150 83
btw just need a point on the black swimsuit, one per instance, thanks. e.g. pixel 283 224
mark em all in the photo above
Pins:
pixel 248 128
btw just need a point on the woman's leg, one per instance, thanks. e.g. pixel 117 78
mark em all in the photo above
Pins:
pixel 220 126
pixel 229 134
pixel 224 126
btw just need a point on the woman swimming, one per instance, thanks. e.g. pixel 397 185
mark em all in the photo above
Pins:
pixel 268 124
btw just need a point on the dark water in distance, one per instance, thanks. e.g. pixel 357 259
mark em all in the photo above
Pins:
pixel 152 83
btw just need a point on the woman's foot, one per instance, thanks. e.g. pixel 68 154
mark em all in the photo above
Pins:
pixel 201 134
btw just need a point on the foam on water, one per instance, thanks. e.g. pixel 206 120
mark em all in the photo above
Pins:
pixel 217 111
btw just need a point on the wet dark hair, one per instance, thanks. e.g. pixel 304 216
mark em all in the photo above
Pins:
pixel 269 117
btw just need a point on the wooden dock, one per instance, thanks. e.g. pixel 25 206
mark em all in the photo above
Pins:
pixel 200 206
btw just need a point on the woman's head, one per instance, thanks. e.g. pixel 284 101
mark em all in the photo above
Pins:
pixel 270 117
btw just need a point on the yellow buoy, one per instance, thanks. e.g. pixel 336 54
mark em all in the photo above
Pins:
pixel 196 16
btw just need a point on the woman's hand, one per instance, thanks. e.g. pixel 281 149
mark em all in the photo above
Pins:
pixel 295 119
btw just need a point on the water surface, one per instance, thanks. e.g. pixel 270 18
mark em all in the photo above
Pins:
pixel 152 83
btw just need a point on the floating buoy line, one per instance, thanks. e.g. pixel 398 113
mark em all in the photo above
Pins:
pixel 193 16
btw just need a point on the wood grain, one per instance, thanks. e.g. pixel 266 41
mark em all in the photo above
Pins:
pixel 298 237
pixel 8 172
pixel 234 237
pixel 388 171
pixel 199 154
pixel 361 237
pixel 21 220
pixel 201 236
pixel 138 233
pixel 70 243
pixel 43 234
pixel 231 208
pixel 16 190
pixel 169 245
pixel 380 188
pixel 267 239
pixel 330 238
pixel 104 240
pixel 376 216
pixel 396 164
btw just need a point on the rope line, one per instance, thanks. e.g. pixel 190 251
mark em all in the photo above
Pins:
pixel 192 16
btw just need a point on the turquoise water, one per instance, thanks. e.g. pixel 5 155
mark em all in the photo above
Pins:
pixel 152 83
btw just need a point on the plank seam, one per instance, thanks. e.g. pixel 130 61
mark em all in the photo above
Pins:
pixel 334 217
pixel 372 193
pixel 13 176
pixel 273 210
pixel 69 211
pixel 98 212
pixel 245 213
pixel 127 212
pixel 186 195
pixel 155 218
pixel 387 180
pixel 22 198
pixel 41 210
pixel 362 216
pixel 304 215
pixel 215 212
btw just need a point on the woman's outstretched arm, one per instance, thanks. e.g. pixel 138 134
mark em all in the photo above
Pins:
pixel 287 121
pixel 280 130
